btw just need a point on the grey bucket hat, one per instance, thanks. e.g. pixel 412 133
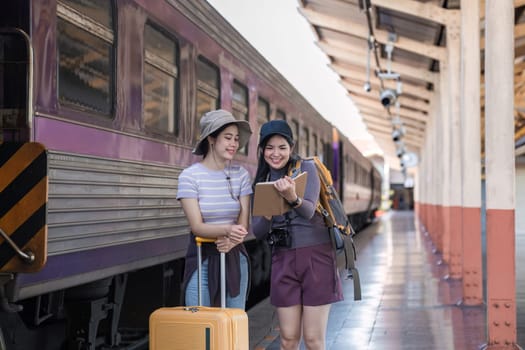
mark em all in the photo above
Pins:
pixel 214 120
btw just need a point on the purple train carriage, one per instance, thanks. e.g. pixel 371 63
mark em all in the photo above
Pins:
pixel 112 91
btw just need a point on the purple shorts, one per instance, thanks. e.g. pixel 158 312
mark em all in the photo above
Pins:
pixel 305 276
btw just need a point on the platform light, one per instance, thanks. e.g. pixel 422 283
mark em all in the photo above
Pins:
pixel 410 159
pixel 397 134
pixel 388 97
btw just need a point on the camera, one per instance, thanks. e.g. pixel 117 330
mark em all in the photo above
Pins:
pixel 367 87
pixel 396 135
pixel 388 97
pixel 279 237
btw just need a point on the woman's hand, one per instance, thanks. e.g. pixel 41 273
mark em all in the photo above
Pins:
pixel 286 187
pixel 234 235
pixel 224 244
pixel 237 234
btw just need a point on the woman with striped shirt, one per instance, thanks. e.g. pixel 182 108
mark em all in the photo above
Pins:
pixel 215 196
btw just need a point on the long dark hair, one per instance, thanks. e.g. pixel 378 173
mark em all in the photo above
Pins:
pixel 263 169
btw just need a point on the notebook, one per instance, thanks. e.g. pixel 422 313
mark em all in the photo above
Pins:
pixel 268 202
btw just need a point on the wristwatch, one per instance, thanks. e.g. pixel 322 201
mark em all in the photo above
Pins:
pixel 296 202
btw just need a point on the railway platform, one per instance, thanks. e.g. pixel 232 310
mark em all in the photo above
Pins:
pixel 408 303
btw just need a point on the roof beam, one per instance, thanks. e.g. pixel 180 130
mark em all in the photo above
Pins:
pixel 370 112
pixel 388 133
pixel 381 36
pixel 426 11
pixel 380 121
pixel 386 137
pixel 349 56
pixel 407 101
pixel 403 112
pixel 409 89
pixel 372 118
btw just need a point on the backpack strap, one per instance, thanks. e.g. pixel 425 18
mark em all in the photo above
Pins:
pixel 293 170
pixel 350 257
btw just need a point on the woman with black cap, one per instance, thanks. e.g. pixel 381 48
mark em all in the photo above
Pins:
pixel 215 196
pixel 303 282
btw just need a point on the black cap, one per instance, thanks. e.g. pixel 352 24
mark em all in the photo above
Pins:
pixel 275 127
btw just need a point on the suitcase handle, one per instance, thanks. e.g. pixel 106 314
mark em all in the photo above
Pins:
pixel 199 241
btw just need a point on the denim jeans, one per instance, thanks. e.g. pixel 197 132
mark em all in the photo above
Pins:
pixel 238 302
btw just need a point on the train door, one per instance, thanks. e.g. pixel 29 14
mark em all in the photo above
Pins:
pixel 15 85
pixel 334 160
pixel 341 175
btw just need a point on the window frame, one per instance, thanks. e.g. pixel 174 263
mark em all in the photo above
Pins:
pixel 209 91
pixel 169 68
pixel 89 25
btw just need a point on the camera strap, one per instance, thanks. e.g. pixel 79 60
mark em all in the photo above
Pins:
pixel 286 222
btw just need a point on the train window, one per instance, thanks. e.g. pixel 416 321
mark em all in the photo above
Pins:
pixel 208 89
pixel 279 114
pixel 322 150
pixel 350 169
pixel 263 112
pixel 160 81
pixel 298 143
pixel 86 47
pixel 305 142
pixel 315 148
pixel 97 10
pixel 240 106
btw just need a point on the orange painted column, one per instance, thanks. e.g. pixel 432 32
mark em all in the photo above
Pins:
pixel 500 174
pixel 453 166
pixel 426 177
pixel 430 165
pixel 424 184
pixel 471 146
pixel 435 166
pixel 443 239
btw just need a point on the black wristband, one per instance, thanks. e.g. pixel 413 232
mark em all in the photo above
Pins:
pixel 295 203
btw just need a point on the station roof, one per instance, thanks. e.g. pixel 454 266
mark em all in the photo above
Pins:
pixel 400 41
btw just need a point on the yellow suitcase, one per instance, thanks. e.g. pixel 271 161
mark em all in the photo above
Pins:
pixel 200 327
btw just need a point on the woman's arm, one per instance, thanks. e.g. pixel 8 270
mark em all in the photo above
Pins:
pixel 199 228
pixel 243 220
pixel 244 214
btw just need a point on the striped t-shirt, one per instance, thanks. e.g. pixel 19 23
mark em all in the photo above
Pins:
pixel 210 188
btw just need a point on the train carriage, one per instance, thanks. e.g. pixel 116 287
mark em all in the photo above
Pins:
pixel 113 90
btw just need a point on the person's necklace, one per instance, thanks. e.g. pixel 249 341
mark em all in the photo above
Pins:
pixel 227 174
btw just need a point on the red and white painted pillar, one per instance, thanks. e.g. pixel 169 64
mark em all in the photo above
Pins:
pixel 471 148
pixel 500 174
pixel 453 166
pixel 443 125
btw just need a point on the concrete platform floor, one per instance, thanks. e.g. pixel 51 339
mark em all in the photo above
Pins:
pixel 408 303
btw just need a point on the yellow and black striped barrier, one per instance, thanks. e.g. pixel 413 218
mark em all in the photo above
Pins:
pixel 23 206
